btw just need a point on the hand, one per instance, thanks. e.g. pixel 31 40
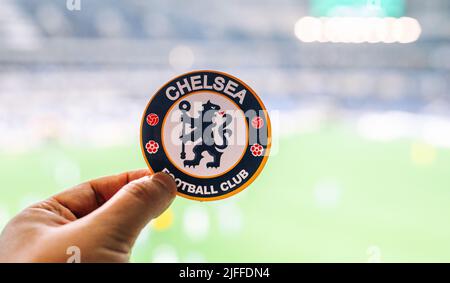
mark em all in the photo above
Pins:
pixel 102 217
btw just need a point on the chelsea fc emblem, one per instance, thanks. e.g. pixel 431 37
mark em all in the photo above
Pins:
pixel 208 130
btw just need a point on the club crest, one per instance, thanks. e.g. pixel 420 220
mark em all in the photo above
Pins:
pixel 210 131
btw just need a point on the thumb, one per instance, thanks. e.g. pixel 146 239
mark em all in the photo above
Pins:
pixel 133 206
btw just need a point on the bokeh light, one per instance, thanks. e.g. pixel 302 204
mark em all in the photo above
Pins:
pixel 357 29
pixel 196 223
pixel 164 221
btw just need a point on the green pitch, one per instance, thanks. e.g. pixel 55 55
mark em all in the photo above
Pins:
pixel 325 196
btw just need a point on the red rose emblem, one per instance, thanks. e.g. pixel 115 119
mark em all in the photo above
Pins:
pixel 152 147
pixel 256 149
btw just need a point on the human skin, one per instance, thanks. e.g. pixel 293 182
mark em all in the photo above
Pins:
pixel 101 217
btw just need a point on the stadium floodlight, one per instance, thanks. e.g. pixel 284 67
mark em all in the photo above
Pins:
pixel 357 21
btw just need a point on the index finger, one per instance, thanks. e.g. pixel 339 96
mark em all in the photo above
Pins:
pixel 86 197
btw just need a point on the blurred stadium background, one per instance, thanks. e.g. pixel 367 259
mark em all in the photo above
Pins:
pixel 362 93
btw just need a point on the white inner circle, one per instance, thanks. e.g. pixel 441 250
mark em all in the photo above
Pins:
pixel 236 141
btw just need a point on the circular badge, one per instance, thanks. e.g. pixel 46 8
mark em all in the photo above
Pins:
pixel 210 131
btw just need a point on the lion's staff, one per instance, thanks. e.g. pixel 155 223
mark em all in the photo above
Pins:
pixel 184 106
